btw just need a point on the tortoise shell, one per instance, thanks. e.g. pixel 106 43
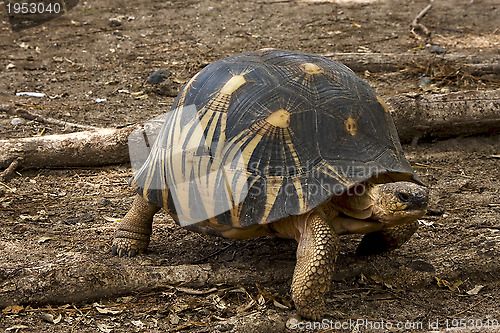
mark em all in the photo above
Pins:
pixel 264 135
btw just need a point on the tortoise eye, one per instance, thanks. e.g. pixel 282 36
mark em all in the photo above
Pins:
pixel 404 197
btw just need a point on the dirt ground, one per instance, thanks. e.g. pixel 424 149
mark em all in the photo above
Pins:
pixel 449 271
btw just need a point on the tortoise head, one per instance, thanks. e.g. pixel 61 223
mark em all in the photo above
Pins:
pixel 373 206
pixel 398 202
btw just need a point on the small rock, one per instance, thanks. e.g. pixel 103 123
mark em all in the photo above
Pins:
pixel 158 76
pixel 437 49
pixel 10 66
pixel 17 121
pixel 174 319
pixel 424 82
pixel 104 202
pixel 114 22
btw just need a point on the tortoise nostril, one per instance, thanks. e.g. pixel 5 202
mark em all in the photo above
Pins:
pixel 404 197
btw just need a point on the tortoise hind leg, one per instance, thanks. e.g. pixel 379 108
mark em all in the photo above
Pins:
pixel 316 255
pixel 132 235
pixel 386 240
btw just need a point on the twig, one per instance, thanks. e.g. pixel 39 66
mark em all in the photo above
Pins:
pixel 36 117
pixel 416 25
pixel 377 40
pixel 7 187
pixel 470 307
pixel 80 312
pixel 79 320
pixel 486 226
pixel 213 254
pixel 7 173
pixel 272 2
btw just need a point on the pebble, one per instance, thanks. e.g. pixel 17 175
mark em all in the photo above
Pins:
pixel 114 22
pixel 104 202
pixel 437 49
pixel 424 82
pixel 17 121
pixel 158 76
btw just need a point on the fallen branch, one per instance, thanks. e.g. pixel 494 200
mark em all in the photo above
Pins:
pixel 389 62
pixel 81 277
pixel 9 172
pixel 90 148
pixel 41 119
pixel 416 25
pixel 446 115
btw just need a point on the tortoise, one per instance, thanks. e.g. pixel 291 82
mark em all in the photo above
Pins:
pixel 279 143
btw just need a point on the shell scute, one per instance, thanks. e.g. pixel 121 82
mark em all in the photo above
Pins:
pixel 263 135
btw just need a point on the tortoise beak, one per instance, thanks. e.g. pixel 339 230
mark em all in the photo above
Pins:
pixel 414 197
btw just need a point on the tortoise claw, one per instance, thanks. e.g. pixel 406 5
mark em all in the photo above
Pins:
pixel 128 247
pixel 132 236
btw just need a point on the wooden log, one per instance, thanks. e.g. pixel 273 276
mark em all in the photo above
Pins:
pixel 446 115
pixel 80 149
pixel 83 277
pixel 389 62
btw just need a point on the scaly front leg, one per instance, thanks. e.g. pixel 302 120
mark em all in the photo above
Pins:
pixel 316 255
pixel 132 235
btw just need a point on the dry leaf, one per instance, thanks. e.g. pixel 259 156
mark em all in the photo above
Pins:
pixel 50 318
pixel 14 309
pixel 105 328
pixel 108 311
pixel 44 239
pixel 112 219
pixel 16 327
pixel 196 291
pixel 245 307
pixel 279 305
pixel 474 291
pixel 238 290
pixel 58 318
pixel 217 301
pixel 444 283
